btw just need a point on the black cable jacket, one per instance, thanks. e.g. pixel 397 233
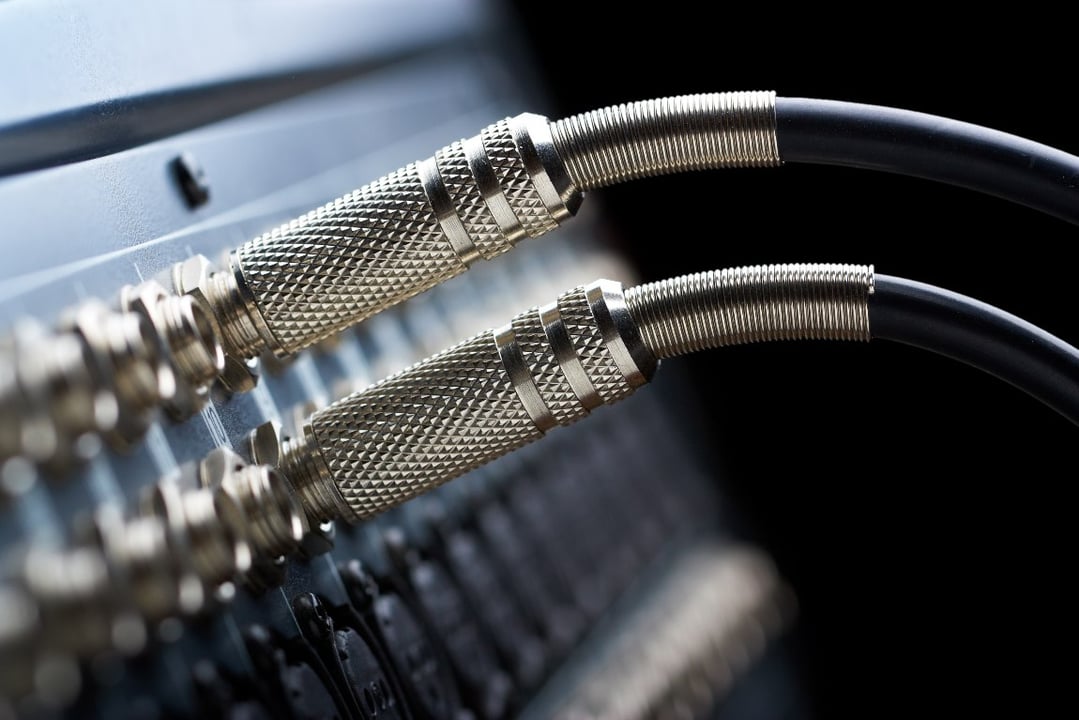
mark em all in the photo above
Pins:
pixel 829 132
pixel 978 334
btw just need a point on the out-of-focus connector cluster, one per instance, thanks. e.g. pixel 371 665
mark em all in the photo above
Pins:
pixel 180 554
pixel 105 372
pixel 682 648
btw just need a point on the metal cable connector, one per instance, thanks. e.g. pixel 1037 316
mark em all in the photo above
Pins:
pixel 188 339
pixel 469 404
pixel 549 366
pixel 427 222
pixel 392 239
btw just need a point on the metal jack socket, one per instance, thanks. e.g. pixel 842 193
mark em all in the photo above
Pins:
pixel 268 446
pixel 209 289
pixel 206 534
pixel 175 558
pixel 274 522
pixel 187 336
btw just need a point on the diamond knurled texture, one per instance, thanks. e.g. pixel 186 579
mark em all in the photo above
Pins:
pixel 547 373
pixel 325 271
pixel 513 177
pixel 469 203
pixel 608 380
pixel 455 411
pixel 423 426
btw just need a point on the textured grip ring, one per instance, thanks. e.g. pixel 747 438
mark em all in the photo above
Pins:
pixel 513 362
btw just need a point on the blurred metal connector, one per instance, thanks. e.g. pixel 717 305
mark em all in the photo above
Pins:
pixel 13 407
pixel 61 408
pixel 207 531
pixel 127 361
pixel 678 653
pixel 141 562
pixel 73 593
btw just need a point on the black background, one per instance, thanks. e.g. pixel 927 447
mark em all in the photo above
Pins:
pixel 918 507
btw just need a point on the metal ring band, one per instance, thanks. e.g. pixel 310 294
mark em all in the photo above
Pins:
pixel 245 298
pixel 562 346
pixel 619 331
pixel 487 182
pixel 445 212
pixel 531 135
pixel 523 382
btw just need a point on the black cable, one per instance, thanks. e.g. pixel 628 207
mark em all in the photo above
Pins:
pixel 829 132
pixel 978 334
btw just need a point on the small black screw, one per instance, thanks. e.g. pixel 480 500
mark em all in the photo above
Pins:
pixel 192 179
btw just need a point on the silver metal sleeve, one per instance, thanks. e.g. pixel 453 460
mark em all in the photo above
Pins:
pixel 668 135
pixel 396 237
pixel 469 404
pixel 753 304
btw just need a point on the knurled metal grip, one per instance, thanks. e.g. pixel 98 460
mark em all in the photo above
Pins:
pixel 396 237
pixel 469 404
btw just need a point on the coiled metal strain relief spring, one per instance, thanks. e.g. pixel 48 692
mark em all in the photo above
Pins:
pixel 668 135
pixel 135 363
pixel 753 304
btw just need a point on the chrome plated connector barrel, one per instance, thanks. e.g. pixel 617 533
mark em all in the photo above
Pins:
pixel 550 366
